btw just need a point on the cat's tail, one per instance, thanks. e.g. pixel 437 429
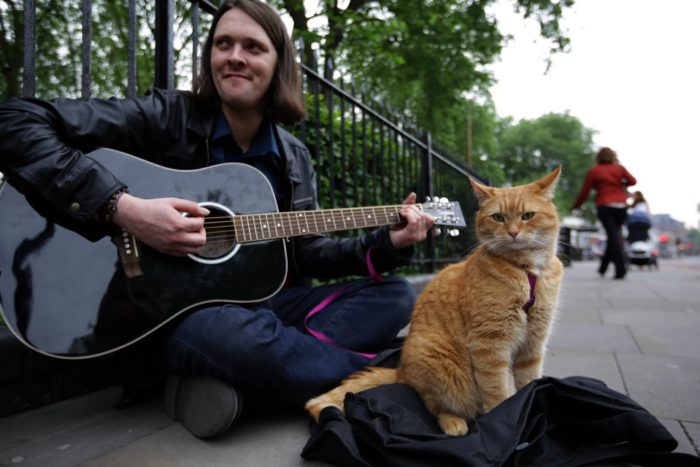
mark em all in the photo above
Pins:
pixel 360 381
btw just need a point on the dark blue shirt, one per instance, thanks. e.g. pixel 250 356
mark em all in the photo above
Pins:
pixel 263 153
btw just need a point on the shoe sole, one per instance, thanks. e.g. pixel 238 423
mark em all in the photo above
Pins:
pixel 206 407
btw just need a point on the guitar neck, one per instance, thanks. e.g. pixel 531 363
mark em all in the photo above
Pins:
pixel 269 226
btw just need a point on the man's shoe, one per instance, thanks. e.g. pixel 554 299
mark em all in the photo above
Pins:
pixel 206 406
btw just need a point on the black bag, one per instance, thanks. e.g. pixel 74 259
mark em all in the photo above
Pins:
pixel 573 421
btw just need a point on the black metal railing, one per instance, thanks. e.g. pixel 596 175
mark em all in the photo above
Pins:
pixel 364 152
pixel 369 154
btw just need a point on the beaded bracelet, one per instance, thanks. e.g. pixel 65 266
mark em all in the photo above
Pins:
pixel 110 207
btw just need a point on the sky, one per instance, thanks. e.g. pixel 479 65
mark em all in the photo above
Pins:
pixel 632 75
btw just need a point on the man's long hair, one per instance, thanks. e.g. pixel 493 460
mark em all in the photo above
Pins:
pixel 285 104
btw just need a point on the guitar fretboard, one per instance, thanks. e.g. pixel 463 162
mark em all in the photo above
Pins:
pixel 268 226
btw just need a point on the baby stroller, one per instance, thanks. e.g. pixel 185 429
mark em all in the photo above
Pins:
pixel 643 253
pixel 641 250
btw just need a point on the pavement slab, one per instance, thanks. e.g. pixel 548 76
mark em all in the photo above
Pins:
pixel 667 386
pixel 638 335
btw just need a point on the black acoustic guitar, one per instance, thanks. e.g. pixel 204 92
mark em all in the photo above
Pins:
pixel 68 297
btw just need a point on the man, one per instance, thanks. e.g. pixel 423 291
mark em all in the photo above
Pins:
pixel 299 342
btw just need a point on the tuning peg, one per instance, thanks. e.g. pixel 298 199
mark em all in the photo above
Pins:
pixel 444 200
pixel 453 232
pixel 437 231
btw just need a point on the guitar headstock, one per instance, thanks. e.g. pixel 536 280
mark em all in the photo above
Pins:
pixel 445 212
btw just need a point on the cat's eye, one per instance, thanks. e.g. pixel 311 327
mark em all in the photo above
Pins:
pixel 527 216
pixel 498 217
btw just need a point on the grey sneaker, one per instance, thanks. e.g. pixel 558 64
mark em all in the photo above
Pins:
pixel 206 406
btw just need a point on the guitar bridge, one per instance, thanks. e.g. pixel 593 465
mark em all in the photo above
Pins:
pixel 128 253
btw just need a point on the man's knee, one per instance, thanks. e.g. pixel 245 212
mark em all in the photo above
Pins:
pixel 402 294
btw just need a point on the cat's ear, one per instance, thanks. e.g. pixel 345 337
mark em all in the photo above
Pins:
pixel 547 184
pixel 482 192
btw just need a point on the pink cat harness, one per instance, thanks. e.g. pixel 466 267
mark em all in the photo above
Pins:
pixel 532 279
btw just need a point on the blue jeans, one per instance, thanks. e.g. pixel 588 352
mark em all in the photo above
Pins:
pixel 266 350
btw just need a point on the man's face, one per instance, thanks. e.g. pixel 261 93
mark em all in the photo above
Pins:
pixel 243 62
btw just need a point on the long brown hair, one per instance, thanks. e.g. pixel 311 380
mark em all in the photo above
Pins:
pixel 606 156
pixel 638 197
pixel 285 102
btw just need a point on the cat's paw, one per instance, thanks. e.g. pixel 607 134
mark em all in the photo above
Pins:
pixel 316 405
pixel 452 424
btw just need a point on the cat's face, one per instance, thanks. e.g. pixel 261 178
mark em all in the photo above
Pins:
pixel 517 218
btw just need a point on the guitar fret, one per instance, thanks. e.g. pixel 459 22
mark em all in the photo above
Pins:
pixel 306 222
pixel 254 230
pixel 255 226
pixel 281 224
pixel 261 227
pixel 297 217
pixel 290 225
pixel 315 216
pixel 266 227
pixel 277 224
pixel 246 227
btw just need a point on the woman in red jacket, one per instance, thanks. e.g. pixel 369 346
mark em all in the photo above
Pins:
pixel 610 181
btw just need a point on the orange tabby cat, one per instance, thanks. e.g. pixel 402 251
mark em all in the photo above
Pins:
pixel 476 336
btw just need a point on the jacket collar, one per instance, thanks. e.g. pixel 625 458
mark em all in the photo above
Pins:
pixel 201 122
pixel 287 153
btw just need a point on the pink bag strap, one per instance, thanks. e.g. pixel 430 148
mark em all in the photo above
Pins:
pixel 319 335
pixel 370 267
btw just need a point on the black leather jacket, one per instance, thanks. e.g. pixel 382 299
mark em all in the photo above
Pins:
pixel 42 144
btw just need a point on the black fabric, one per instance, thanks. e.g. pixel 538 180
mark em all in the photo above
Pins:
pixel 573 421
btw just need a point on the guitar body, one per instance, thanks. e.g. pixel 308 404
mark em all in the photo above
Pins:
pixel 68 297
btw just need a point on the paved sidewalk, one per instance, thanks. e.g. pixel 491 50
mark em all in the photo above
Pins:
pixel 641 336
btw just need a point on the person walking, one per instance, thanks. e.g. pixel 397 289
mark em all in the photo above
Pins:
pixel 610 180
pixel 638 219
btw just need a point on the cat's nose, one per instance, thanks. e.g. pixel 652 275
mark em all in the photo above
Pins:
pixel 513 233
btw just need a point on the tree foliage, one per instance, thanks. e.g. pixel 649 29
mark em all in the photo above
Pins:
pixel 532 148
pixel 423 57
pixel 426 59
pixel 59 47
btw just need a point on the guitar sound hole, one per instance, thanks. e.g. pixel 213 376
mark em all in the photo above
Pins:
pixel 221 239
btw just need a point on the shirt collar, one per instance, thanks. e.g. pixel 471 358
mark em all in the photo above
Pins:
pixel 264 142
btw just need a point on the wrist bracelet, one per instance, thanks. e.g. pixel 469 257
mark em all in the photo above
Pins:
pixel 110 208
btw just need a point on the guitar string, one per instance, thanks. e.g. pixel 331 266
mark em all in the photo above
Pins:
pixel 221 231
pixel 334 212
pixel 264 232
pixel 224 229
pixel 359 214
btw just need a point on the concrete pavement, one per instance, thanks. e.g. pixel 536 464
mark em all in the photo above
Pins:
pixel 641 336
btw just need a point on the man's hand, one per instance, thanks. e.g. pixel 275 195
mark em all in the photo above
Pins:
pixel 414 227
pixel 159 223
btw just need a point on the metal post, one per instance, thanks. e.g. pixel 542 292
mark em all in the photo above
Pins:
pixel 195 41
pixel 29 72
pixel 86 75
pixel 131 51
pixel 165 12
pixel 428 191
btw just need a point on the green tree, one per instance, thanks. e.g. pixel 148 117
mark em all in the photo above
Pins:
pixel 59 47
pixel 422 57
pixel 531 148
